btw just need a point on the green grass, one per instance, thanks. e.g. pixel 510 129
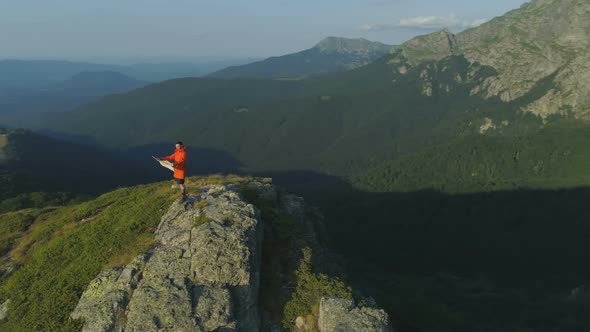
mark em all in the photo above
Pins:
pixel 310 289
pixel 201 219
pixel 64 248
pixel 289 285
pixel 59 250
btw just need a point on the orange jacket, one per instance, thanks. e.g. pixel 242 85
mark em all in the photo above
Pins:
pixel 179 160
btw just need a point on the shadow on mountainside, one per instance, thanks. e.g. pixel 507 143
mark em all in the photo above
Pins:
pixel 494 261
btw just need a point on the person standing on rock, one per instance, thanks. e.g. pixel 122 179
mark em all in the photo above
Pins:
pixel 179 160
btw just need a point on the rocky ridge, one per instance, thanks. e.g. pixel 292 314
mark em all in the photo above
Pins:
pixel 347 45
pixel 331 54
pixel 542 42
pixel 203 274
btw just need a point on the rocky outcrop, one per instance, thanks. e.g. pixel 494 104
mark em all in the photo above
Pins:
pixel 358 46
pixel 434 46
pixel 542 46
pixel 203 275
pixel 341 315
pixel 542 39
pixel 4 309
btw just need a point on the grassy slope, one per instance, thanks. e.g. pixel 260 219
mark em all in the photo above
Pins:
pixel 56 251
pixel 59 250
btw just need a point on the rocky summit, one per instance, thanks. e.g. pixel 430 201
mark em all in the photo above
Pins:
pixel 204 274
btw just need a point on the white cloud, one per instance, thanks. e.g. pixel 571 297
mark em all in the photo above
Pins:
pixel 426 23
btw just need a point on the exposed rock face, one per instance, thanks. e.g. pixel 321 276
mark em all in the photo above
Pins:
pixel 204 273
pixel 543 41
pixel 341 315
pixel 359 46
pixel 540 39
pixel 106 297
pixel 434 46
pixel 4 309
pixel 202 276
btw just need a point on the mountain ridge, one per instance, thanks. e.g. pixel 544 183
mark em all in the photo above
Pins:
pixel 526 45
pixel 331 54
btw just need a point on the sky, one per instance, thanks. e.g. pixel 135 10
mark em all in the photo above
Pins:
pixel 191 29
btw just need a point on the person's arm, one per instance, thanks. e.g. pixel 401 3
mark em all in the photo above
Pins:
pixel 169 158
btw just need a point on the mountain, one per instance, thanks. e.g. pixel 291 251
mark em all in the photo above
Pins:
pixel 25 107
pixel 329 55
pixel 239 255
pixel 161 71
pixel 461 163
pixel 99 83
pixel 17 75
pixel 326 123
pixel 429 90
pixel 543 40
pixel 30 74
pixel 544 159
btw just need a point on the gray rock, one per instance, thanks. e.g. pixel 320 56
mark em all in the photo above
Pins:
pixel 294 206
pixel 104 301
pixel 200 276
pixel 214 307
pixel 4 309
pixel 204 274
pixel 162 300
pixel 160 304
pixel 542 40
pixel 341 315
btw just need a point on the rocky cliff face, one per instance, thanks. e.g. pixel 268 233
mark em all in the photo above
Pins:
pixel 543 42
pixel 332 54
pixel 203 274
pixel 543 38
pixel 338 314
pixel 352 46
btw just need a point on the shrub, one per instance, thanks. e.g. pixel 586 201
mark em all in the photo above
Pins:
pixel 311 287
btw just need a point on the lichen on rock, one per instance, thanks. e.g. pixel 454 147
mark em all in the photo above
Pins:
pixel 204 274
pixel 341 315
pixel 201 278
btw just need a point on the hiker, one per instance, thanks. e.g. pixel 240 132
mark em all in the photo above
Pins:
pixel 179 160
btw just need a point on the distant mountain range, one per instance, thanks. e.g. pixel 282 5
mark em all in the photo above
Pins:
pixel 29 74
pixel 330 55
pixel 103 81
pixel 427 91
pixel 24 107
